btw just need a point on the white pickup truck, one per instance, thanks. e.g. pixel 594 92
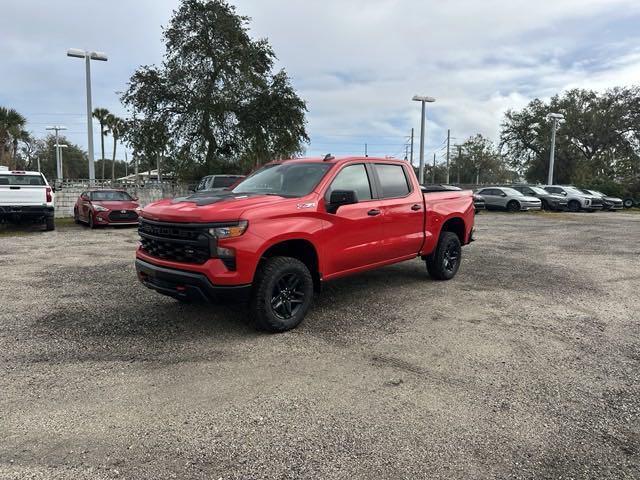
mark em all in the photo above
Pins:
pixel 26 197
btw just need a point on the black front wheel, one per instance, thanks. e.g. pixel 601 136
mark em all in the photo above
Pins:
pixel 574 206
pixel 443 264
pixel 513 206
pixel 282 294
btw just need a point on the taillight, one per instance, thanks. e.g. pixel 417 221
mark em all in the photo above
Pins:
pixel 49 197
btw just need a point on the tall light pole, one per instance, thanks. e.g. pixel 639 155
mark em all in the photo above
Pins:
pixel 88 56
pixel 423 100
pixel 556 119
pixel 57 128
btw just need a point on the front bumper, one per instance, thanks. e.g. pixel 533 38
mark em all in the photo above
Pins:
pixel 530 206
pixel 104 218
pixel 188 286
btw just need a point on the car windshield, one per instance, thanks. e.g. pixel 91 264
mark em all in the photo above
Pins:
pixel 512 192
pixel 284 179
pixel 575 190
pixel 539 191
pixel 111 196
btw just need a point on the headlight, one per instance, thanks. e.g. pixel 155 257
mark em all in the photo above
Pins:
pixel 587 202
pixel 230 231
pixel 100 208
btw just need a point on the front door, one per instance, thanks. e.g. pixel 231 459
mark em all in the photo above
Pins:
pixel 354 232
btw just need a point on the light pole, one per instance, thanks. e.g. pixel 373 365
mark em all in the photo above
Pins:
pixel 556 119
pixel 59 148
pixel 423 100
pixel 57 128
pixel 88 56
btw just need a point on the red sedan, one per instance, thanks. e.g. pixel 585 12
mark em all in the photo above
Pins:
pixel 106 207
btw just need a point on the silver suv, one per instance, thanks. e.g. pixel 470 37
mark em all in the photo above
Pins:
pixel 576 199
pixel 508 199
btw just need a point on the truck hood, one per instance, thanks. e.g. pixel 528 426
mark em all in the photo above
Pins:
pixel 208 206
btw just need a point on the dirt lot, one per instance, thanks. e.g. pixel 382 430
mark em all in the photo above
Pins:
pixel 526 365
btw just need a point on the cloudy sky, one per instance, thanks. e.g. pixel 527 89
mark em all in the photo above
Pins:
pixel 357 63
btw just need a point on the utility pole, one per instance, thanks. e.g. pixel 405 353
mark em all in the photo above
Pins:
pixel 126 165
pixel 365 150
pixel 423 100
pixel 88 56
pixel 411 157
pixel 59 155
pixel 556 119
pixel 433 171
pixel 406 152
pixel 459 161
pixel 448 141
pixel 57 128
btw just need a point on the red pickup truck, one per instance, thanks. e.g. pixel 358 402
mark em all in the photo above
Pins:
pixel 294 224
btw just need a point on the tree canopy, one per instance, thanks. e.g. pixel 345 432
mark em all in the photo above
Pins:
pixel 215 97
pixel 599 141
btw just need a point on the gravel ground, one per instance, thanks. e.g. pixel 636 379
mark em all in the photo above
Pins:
pixel 526 365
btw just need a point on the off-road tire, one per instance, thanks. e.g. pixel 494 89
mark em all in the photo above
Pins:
pixel 271 273
pixel 437 265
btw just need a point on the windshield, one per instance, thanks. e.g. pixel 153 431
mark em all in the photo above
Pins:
pixel 34 180
pixel 512 192
pixel 111 196
pixel 575 190
pixel 539 191
pixel 284 179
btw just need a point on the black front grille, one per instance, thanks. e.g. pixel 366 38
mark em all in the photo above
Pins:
pixel 189 243
pixel 596 202
pixel 122 215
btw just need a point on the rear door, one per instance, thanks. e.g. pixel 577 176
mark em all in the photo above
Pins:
pixel 22 189
pixel 402 208
pixel 354 232
pixel 491 197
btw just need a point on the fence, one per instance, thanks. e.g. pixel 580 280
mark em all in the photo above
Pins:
pixel 68 191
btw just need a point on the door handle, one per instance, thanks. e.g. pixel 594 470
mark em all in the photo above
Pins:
pixel 14 188
pixel 373 212
pixel 416 207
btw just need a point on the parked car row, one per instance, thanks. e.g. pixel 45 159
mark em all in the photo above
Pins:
pixel 522 197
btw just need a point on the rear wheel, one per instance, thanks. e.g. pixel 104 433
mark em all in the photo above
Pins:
pixel 628 202
pixel 443 264
pixel 574 205
pixel 49 224
pixel 76 217
pixel 513 206
pixel 282 294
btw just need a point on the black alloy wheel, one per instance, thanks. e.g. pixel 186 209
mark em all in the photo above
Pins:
pixel 574 205
pixel 513 206
pixel 287 296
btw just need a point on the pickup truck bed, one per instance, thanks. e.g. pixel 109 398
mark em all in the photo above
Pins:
pixel 293 225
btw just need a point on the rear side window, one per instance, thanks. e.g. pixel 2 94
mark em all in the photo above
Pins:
pixel 22 180
pixel 353 177
pixel 221 182
pixel 393 180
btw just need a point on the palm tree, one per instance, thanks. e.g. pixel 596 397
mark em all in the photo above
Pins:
pixel 101 115
pixel 115 127
pixel 11 128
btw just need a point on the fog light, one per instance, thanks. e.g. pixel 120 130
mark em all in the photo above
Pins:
pixel 226 252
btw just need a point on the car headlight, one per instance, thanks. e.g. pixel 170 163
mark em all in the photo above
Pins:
pixel 100 208
pixel 230 231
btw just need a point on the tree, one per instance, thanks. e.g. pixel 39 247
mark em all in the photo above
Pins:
pixel 74 161
pixel 101 114
pixel 477 161
pixel 216 93
pixel 599 138
pixel 116 127
pixel 11 131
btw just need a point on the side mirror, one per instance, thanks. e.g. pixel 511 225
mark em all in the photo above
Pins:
pixel 135 199
pixel 563 193
pixel 339 198
pixel 503 194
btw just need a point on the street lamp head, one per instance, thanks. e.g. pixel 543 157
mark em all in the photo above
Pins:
pixel 76 52
pixel 99 56
pixel 61 145
pixel 423 98
pixel 556 116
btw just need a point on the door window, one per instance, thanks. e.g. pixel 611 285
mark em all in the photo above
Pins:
pixel 393 180
pixel 353 177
